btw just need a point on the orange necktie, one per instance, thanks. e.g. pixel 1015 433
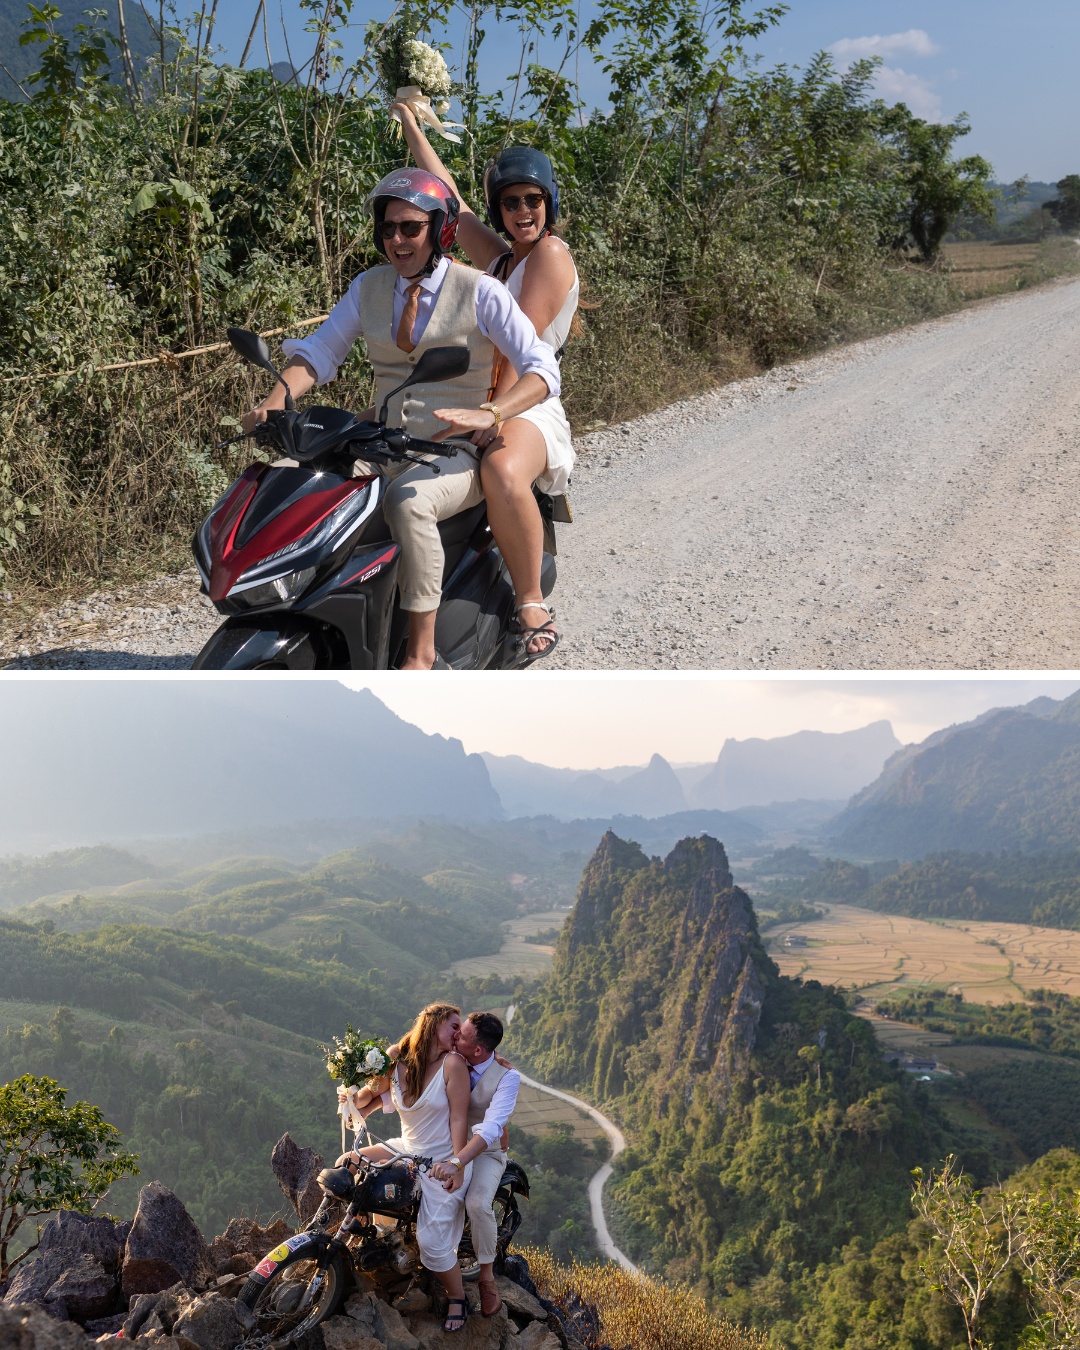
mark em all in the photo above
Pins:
pixel 404 337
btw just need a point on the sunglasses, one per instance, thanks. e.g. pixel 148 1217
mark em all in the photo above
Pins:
pixel 410 229
pixel 533 200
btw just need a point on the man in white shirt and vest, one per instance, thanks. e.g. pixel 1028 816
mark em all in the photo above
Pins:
pixel 491 1104
pixel 416 301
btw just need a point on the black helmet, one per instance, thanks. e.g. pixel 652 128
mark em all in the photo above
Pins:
pixel 520 164
pixel 424 190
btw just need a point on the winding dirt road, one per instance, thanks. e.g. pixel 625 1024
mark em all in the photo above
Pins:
pixel 910 502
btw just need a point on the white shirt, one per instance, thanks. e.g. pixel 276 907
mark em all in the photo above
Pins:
pixel 498 318
pixel 503 1101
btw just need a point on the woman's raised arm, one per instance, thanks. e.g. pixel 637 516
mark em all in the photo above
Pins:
pixel 479 241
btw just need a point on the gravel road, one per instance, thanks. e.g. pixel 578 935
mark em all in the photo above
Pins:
pixel 910 502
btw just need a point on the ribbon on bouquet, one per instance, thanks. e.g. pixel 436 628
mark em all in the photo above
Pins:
pixel 425 114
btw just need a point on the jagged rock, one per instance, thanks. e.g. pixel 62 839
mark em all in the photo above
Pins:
pixel 296 1170
pixel 85 1288
pixel 516 1268
pixel 106 1326
pixel 247 1237
pixel 478 1333
pixel 23 1327
pixel 382 1321
pixel 155 1312
pixel 213 1322
pixel 33 1279
pixel 344 1333
pixel 413 1300
pixel 164 1245
pixel 95 1235
pixel 519 1302
pixel 536 1336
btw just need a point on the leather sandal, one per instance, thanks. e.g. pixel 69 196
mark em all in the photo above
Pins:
pixel 459 1318
pixel 543 630
pixel 490 1302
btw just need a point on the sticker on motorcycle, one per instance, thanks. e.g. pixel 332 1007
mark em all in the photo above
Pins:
pixel 390 1191
pixel 265 1267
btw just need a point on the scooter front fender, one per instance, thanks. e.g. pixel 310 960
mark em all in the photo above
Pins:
pixel 239 644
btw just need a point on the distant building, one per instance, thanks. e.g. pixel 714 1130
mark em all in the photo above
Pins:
pixel 794 940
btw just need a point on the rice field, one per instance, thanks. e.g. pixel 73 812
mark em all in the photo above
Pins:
pixel 516 956
pixel 535 1111
pixel 880 953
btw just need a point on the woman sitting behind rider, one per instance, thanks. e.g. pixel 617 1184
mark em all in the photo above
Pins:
pixel 430 1088
pixel 535 446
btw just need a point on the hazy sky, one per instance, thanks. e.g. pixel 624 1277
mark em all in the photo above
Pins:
pixel 593 720
pixel 1011 67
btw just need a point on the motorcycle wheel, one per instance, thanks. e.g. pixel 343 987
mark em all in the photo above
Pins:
pixel 508 1220
pixel 285 1307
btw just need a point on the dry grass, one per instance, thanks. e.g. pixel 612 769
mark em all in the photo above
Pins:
pixel 636 1310
pixel 881 953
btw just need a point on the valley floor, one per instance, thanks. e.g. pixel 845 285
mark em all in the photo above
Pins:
pixel 882 953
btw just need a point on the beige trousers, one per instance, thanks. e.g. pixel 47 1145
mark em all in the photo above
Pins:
pixel 416 500
pixel 487 1171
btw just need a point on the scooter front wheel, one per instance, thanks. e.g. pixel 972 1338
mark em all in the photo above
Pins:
pixel 302 1292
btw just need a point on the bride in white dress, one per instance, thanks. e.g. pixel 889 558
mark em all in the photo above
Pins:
pixel 430 1090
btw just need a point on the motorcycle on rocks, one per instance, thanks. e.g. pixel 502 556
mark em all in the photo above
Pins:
pixel 306 1279
pixel 299 558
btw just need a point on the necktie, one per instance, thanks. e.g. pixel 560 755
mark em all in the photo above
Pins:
pixel 404 337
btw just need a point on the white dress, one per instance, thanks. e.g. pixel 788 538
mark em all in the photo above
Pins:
pixel 549 417
pixel 425 1130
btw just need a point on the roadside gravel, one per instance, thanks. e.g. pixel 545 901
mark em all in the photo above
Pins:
pixel 910 502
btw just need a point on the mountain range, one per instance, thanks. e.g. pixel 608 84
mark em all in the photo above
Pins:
pixel 1009 779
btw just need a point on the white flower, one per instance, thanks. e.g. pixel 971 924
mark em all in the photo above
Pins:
pixel 373 1059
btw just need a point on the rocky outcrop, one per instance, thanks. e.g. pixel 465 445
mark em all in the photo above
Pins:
pixel 243 1245
pixel 75 1275
pixel 296 1170
pixel 164 1246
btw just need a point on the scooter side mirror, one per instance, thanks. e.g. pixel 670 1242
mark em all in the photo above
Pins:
pixel 437 363
pixel 253 348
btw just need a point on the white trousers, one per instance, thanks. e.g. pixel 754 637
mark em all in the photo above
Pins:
pixel 415 502
pixel 487 1171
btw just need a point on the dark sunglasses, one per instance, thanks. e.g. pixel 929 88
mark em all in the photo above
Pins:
pixel 533 200
pixel 410 229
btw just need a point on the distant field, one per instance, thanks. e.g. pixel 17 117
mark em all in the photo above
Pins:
pixel 516 956
pixel 882 953
pixel 535 1111
pixel 986 269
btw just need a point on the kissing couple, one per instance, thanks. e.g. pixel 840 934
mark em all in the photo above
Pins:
pixel 454 1097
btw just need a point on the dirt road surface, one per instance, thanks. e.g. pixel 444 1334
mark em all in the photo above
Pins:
pixel 910 502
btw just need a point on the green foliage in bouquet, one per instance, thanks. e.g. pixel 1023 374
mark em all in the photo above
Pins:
pixel 353 1060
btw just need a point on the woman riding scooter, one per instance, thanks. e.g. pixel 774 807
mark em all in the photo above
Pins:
pixel 534 446
pixel 416 301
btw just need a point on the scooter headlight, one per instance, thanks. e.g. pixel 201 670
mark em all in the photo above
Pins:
pixel 276 592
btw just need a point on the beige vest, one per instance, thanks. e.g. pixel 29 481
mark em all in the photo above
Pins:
pixel 452 324
pixel 481 1095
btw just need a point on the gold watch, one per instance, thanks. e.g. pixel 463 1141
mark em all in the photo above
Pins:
pixel 493 408
pixel 456 1162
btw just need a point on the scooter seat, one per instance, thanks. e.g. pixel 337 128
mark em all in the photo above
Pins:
pixel 459 529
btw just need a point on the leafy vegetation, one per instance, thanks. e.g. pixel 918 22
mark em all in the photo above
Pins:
pixel 55 1156
pixel 727 215
pixel 556 1215
pixel 1038 888
pixel 1048 1021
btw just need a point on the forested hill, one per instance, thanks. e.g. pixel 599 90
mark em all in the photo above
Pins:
pixel 767 1132
pixel 1008 780
pixel 21 61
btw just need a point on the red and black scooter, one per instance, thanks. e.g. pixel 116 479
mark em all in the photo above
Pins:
pixel 302 563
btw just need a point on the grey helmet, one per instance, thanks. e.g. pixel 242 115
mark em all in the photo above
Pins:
pixel 520 164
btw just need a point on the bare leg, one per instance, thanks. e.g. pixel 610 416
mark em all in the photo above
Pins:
pixel 511 464
pixel 420 647
pixel 451 1283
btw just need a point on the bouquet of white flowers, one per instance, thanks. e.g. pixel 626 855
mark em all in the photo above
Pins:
pixel 415 73
pixel 354 1061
